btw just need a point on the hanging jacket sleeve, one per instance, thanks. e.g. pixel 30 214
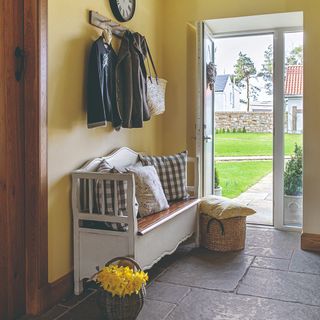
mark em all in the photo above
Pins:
pixel 96 116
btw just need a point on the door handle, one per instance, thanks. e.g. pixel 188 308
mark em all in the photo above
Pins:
pixel 20 56
pixel 207 138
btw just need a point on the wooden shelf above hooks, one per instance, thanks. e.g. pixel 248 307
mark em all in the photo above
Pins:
pixel 103 23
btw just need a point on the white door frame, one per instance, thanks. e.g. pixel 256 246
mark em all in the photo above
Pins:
pixel 278 112
pixel 278 125
pixel 199 109
pixel 201 76
pixel 278 128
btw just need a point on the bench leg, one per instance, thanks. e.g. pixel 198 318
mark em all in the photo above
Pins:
pixel 198 230
pixel 78 287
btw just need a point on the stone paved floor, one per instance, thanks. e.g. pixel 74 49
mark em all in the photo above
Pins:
pixel 259 198
pixel 272 279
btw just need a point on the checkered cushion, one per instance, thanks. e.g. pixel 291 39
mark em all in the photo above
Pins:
pixel 172 173
pixel 109 189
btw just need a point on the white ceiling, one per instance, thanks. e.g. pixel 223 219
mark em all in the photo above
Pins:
pixel 260 22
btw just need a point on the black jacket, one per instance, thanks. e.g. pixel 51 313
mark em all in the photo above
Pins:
pixel 101 94
pixel 131 78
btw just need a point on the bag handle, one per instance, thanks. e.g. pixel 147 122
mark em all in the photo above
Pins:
pixel 212 220
pixel 149 56
pixel 135 263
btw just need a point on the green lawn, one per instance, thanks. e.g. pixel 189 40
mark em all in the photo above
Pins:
pixel 251 144
pixel 237 177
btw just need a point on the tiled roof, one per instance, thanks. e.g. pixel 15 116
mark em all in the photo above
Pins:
pixel 294 81
pixel 221 81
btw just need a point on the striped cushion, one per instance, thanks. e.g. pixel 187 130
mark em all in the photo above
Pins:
pixel 108 188
pixel 172 173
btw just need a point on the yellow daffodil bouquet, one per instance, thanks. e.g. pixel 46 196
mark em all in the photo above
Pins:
pixel 121 280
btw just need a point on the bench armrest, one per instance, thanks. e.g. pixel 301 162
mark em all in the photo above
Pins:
pixel 84 198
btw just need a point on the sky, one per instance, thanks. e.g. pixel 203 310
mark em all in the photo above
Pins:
pixel 227 52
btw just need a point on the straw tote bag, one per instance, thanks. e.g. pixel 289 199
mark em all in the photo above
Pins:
pixel 156 90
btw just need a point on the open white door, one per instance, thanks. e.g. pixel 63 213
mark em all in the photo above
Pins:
pixel 205 115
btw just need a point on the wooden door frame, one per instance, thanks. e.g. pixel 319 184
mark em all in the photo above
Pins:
pixel 40 295
pixel 12 219
pixel 35 46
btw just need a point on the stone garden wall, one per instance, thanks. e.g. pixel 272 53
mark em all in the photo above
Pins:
pixel 251 121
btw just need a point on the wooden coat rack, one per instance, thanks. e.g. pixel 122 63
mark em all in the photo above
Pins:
pixel 103 23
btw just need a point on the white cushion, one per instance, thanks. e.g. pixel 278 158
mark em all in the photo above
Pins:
pixel 149 192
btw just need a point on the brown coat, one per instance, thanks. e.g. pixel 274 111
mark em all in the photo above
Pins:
pixel 131 81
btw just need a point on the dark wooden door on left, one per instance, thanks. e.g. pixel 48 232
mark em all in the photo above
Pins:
pixel 12 177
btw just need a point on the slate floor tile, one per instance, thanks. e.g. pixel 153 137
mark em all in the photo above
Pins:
pixel 155 310
pixel 271 263
pixel 89 310
pixel 166 292
pixel 280 253
pixel 169 260
pixel 281 285
pixel 53 313
pixel 304 261
pixel 210 305
pixel 271 238
pixel 74 300
pixel 204 269
pixel 86 310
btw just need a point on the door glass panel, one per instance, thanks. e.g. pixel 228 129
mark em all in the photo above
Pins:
pixel 244 125
pixel 293 127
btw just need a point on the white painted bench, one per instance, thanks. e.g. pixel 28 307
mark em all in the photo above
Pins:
pixel 146 240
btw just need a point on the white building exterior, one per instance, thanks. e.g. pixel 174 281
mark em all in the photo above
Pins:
pixel 261 106
pixel 294 98
pixel 227 95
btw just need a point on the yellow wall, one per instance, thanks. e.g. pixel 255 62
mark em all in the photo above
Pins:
pixel 179 68
pixel 70 142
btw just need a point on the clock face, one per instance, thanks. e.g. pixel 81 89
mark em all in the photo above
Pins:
pixel 123 10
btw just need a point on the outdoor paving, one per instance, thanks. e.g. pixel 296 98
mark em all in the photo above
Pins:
pixel 272 279
pixel 259 198
pixel 246 158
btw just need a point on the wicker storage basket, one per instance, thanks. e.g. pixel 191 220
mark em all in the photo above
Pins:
pixel 121 308
pixel 116 308
pixel 222 235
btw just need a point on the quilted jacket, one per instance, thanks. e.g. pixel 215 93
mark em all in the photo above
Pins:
pixel 131 81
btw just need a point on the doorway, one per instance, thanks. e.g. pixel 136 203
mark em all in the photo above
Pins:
pixel 244 122
pixel 257 128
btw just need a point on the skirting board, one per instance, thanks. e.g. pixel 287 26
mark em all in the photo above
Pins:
pixel 56 291
pixel 310 242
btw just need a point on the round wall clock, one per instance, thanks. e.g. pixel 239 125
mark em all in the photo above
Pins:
pixel 123 10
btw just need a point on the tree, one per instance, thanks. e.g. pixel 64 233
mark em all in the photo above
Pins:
pixel 244 71
pixel 295 56
pixel 267 70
